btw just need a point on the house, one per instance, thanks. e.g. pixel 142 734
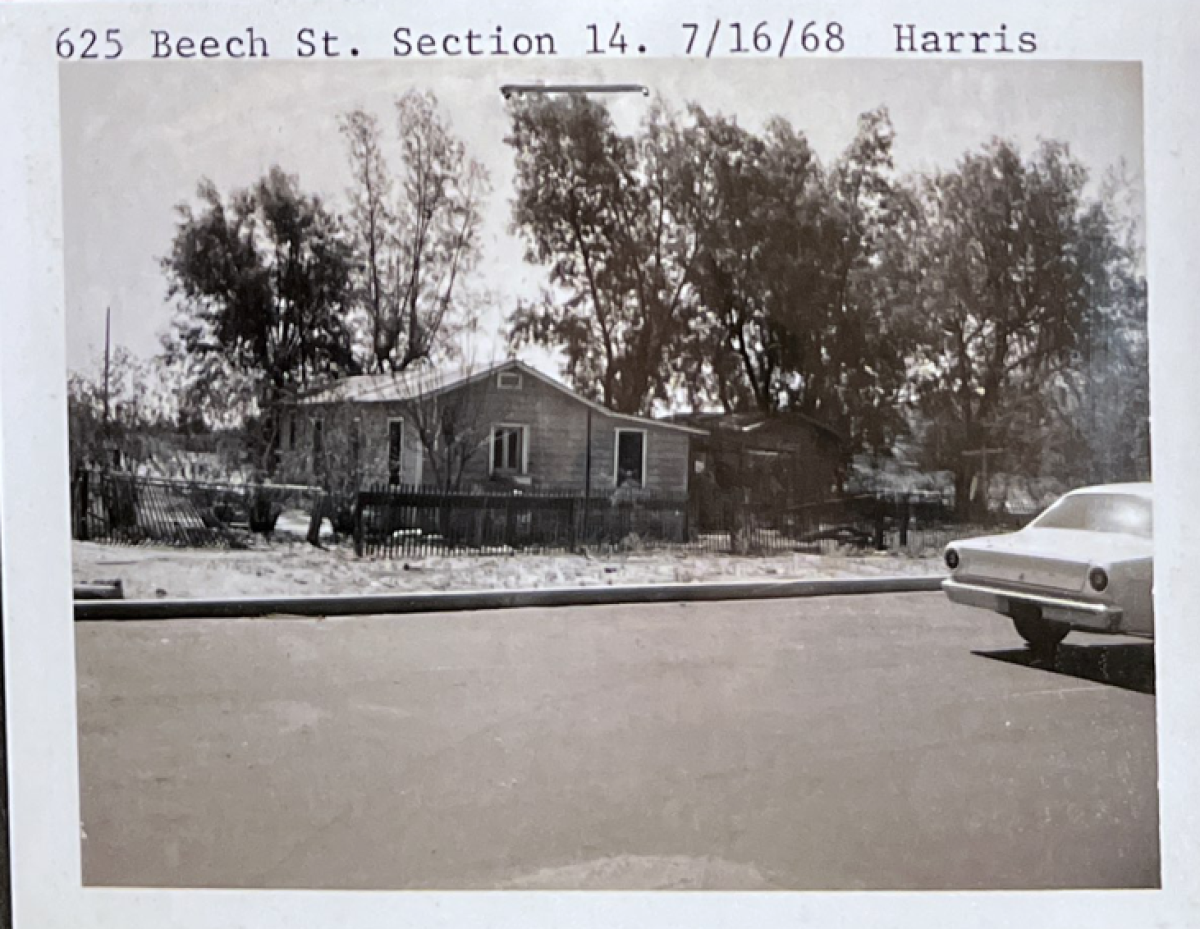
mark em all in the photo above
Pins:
pixel 503 427
pixel 777 459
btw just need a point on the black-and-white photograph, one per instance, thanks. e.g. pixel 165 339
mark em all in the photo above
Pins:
pixel 489 477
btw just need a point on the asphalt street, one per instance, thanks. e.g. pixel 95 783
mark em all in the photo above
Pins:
pixel 874 742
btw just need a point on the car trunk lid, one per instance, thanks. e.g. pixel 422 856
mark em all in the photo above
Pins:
pixel 1046 558
pixel 1052 573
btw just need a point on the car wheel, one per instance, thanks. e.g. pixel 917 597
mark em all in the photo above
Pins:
pixel 1041 634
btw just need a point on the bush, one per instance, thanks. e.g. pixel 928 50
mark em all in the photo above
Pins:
pixel 226 513
pixel 342 518
pixel 264 514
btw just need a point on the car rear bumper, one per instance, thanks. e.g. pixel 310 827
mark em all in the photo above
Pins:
pixel 1080 614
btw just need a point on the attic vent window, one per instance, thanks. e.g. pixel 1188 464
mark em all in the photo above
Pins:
pixel 508 380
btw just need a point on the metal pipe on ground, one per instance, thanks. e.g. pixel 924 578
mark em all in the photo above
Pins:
pixel 438 602
pixel 100 590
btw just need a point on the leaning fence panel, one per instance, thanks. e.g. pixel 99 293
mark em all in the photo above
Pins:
pixel 132 509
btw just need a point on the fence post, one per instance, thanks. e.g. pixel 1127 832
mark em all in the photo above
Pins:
pixel 443 517
pixel 358 524
pixel 314 522
pixel 509 521
pixel 905 517
pixel 879 516
pixel 572 529
pixel 83 508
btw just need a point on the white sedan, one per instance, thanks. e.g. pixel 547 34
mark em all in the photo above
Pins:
pixel 1085 563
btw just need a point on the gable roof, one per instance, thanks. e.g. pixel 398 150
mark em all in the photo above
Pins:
pixel 391 388
pixel 424 383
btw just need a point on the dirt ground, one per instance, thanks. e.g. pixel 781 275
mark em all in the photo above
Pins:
pixel 296 568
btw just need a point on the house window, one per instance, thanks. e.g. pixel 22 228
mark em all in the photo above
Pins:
pixel 508 380
pixel 510 449
pixel 318 446
pixel 395 449
pixel 630 464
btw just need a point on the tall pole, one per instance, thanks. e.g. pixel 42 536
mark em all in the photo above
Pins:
pixel 983 454
pixel 107 359
pixel 587 478
pixel 104 426
pixel 986 482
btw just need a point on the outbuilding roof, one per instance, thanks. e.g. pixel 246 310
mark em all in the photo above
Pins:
pixel 748 423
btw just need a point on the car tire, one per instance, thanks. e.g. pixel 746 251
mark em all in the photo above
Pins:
pixel 1040 634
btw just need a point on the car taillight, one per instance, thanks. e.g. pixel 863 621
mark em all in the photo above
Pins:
pixel 951 559
pixel 1098 578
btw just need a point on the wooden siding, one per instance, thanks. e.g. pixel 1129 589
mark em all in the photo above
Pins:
pixel 556 429
pixel 341 469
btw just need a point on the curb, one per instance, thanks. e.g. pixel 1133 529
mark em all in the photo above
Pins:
pixel 399 604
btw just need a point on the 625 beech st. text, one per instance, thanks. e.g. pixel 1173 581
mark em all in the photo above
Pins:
pixel 108 44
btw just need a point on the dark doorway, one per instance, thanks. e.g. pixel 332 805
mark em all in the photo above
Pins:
pixel 631 457
pixel 395 449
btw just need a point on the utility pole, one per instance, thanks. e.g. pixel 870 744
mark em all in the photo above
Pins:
pixel 110 455
pixel 982 453
pixel 107 360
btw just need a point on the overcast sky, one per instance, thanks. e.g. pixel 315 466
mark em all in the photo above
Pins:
pixel 138 136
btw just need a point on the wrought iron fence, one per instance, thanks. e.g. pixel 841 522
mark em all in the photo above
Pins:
pixel 412 521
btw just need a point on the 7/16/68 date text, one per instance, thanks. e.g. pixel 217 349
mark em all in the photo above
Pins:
pixel 718 38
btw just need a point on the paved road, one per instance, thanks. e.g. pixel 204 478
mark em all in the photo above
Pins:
pixel 867 742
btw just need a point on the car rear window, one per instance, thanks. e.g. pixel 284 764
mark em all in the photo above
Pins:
pixel 1123 513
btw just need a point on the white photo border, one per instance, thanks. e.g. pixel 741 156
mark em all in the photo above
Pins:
pixel 38 628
